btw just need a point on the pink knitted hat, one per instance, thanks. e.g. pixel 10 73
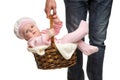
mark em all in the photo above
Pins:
pixel 19 25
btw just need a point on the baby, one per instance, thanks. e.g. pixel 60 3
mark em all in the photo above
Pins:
pixel 26 28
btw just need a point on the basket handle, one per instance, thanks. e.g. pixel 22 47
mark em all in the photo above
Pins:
pixel 51 21
pixel 51 26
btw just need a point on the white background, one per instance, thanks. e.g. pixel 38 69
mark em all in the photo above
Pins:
pixel 16 63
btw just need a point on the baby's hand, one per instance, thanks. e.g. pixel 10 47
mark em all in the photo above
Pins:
pixel 57 24
pixel 56 20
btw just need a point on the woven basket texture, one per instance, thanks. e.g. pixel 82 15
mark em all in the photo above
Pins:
pixel 53 59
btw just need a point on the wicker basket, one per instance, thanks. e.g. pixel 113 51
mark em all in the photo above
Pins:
pixel 52 58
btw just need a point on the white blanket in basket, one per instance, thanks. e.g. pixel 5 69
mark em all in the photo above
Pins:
pixel 66 50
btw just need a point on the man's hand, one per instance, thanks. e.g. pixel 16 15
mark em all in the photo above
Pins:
pixel 49 6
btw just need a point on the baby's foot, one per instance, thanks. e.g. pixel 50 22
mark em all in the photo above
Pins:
pixel 83 26
pixel 82 29
pixel 87 49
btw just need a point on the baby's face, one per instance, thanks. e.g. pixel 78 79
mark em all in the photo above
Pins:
pixel 30 30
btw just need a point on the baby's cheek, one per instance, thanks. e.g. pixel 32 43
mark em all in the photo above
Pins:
pixel 28 36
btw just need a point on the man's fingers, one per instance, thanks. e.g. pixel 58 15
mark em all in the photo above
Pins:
pixel 54 11
pixel 47 11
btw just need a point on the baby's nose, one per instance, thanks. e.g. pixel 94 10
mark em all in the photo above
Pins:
pixel 31 30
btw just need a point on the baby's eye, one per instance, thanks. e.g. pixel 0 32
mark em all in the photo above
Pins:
pixel 32 26
pixel 26 31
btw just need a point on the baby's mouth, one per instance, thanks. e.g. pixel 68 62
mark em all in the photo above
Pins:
pixel 34 32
